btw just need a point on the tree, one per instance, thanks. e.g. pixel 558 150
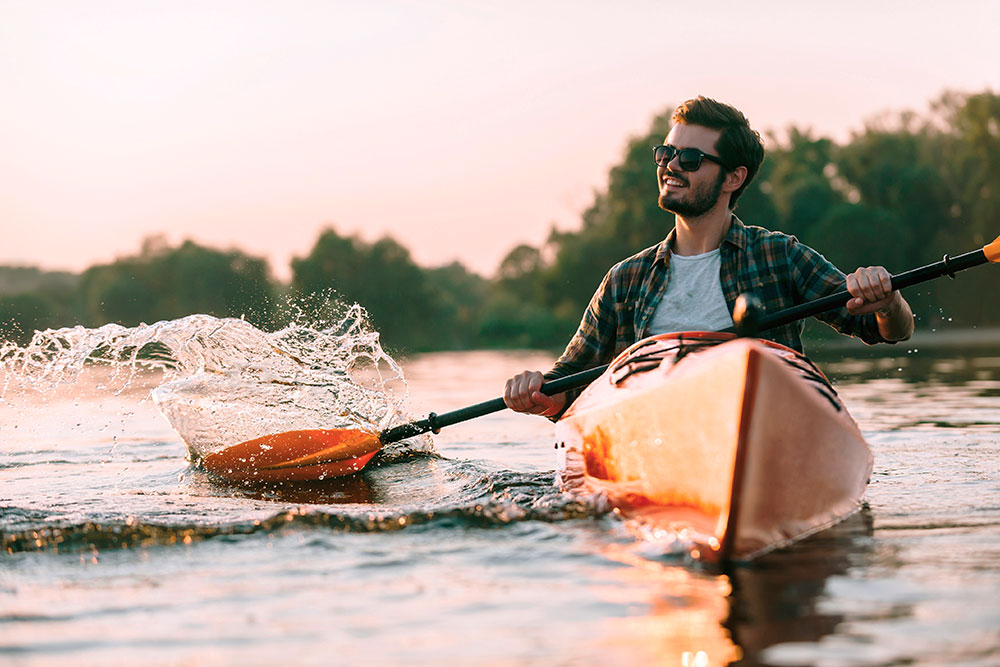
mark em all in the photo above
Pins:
pixel 969 153
pixel 22 314
pixel 798 179
pixel 460 297
pixel 622 220
pixel 895 171
pixel 166 283
pixel 520 273
pixel 381 277
pixel 854 235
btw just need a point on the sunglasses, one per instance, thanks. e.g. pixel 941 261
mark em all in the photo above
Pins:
pixel 689 159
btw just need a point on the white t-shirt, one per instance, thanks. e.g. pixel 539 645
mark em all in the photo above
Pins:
pixel 693 300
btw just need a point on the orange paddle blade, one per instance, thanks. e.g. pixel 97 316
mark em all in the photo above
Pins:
pixel 993 251
pixel 295 455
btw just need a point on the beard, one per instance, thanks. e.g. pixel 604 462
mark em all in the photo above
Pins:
pixel 703 199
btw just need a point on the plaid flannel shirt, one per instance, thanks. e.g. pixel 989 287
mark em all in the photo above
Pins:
pixel 775 267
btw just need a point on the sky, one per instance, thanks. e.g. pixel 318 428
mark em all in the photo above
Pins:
pixel 460 128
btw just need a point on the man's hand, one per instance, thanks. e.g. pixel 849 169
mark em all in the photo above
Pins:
pixel 871 289
pixel 522 395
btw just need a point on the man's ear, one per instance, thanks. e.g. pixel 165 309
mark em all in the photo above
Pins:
pixel 735 179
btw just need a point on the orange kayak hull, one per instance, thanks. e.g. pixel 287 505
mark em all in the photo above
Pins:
pixel 738 444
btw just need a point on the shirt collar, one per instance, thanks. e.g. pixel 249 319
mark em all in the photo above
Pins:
pixel 737 236
pixel 663 250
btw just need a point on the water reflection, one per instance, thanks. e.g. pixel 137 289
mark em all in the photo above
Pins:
pixel 910 363
pixel 349 489
pixel 695 616
pixel 411 479
pixel 685 612
pixel 778 599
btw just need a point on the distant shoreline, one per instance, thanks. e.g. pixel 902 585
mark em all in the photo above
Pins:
pixel 826 344
pixel 950 337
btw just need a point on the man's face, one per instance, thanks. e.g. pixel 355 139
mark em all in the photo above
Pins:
pixel 691 193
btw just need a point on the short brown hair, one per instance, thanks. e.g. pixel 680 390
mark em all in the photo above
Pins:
pixel 738 146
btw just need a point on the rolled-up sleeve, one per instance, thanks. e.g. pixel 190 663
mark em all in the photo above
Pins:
pixel 594 340
pixel 814 277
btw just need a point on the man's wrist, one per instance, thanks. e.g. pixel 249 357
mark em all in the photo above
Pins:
pixel 892 308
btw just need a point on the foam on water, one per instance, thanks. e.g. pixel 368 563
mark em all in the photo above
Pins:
pixel 225 381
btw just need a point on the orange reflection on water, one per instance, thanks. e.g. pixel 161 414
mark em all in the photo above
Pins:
pixel 679 613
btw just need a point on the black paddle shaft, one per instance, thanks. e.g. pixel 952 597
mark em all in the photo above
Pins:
pixel 433 422
pixel 946 267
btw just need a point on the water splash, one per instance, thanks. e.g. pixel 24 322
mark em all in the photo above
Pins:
pixel 225 381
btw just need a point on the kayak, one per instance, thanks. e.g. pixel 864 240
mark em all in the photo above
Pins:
pixel 739 444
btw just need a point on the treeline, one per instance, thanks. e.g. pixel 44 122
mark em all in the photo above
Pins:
pixel 901 192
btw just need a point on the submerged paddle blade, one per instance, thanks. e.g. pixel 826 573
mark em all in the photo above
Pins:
pixel 992 251
pixel 342 445
pixel 295 456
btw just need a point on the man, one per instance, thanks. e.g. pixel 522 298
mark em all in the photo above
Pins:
pixel 690 281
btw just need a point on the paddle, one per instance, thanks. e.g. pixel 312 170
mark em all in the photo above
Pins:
pixel 342 451
pixel 947 266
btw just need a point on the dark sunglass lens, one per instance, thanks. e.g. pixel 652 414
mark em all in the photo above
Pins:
pixel 662 155
pixel 690 159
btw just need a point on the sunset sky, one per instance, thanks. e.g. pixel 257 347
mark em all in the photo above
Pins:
pixel 459 128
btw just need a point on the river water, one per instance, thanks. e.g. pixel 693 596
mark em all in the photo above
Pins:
pixel 116 550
